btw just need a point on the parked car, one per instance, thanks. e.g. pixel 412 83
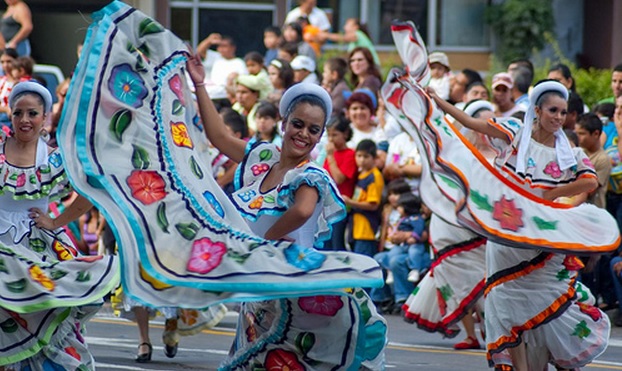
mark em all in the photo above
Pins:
pixel 52 75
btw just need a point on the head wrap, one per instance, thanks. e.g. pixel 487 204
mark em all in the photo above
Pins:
pixel 256 83
pixel 303 88
pixel 31 87
pixel 565 157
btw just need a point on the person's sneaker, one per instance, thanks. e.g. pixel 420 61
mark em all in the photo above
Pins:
pixel 390 278
pixel 414 276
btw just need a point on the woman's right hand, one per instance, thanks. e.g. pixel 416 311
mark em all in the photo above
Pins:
pixel 195 68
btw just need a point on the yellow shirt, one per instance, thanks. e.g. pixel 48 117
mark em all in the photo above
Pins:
pixel 368 189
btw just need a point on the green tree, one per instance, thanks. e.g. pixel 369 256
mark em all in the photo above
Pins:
pixel 520 26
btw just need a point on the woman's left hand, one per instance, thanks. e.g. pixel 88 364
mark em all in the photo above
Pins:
pixel 41 219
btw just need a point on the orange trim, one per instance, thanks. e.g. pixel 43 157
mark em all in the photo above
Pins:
pixel 516 331
pixel 502 129
pixel 516 275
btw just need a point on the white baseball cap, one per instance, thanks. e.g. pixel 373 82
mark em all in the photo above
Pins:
pixel 302 62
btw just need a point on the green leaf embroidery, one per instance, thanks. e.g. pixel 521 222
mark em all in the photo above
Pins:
pixel 187 230
pixel 446 292
pixel 304 342
pixel 344 259
pixel 448 181
pixel 481 201
pixel 265 155
pixel 140 158
pixel 562 275
pixel 268 199
pixel 120 122
pixel 545 224
pixel 195 168
pixel 177 107
pixel 237 257
pixel 140 64
pixel 37 245
pixel 57 274
pixel 148 26
pixel 16 286
pixel 162 219
pixel 581 330
pixel 9 326
pixel 366 313
pixel 3 268
pixel 32 179
pixel 144 49
pixel 83 276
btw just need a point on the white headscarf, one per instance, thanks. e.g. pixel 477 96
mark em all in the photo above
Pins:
pixel 565 157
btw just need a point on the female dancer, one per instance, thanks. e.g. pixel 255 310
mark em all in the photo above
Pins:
pixel 47 291
pixel 297 200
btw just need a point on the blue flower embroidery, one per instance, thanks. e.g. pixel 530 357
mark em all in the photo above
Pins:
pixel 209 196
pixel 55 160
pixel 304 258
pixel 127 86
pixel 246 196
pixel 531 162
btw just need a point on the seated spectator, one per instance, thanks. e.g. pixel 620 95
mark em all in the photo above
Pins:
pixel 304 70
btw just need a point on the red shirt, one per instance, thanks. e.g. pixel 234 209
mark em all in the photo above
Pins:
pixel 347 164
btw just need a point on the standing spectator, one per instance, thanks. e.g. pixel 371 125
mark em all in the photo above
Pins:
pixel 271 40
pixel 476 90
pixel 311 35
pixel 459 83
pixel 522 77
pixel 356 35
pixel 359 109
pixel 575 110
pixel 7 60
pixel 208 56
pixel 439 69
pixel 403 161
pixel 341 166
pixel 560 72
pixel 304 70
pixel 15 27
pixel 502 84
pixel 333 81
pixel 226 66
pixel 616 84
pixel 366 200
pixel 308 8
pixel 364 73
pixel 292 33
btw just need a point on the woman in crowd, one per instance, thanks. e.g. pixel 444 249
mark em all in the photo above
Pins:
pixel 15 27
pixel 306 204
pixel 363 71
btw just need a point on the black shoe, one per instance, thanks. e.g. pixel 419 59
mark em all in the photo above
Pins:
pixel 385 306
pixel 397 307
pixel 144 357
pixel 170 351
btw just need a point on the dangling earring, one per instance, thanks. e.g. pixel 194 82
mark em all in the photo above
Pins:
pixel 44 135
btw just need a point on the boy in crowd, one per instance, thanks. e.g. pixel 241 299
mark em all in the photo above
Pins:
pixel 333 81
pixel 271 40
pixel 365 203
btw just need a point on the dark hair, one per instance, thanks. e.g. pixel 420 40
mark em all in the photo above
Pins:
pixel 235 121
pixel 398 186
pixel 338 65
pixel 471 76
pixel 410 202
pixel 27 63
pixel 572 136
pixel 273 29
pixel 618 68
pixel 522 78
pixel 341 123
pixel 368 146
pixel 523 62
pixel 296 27
pixel 228 39
pixel 519 115
pixel 565 71
pixel 360 97
pixel 372 69
pixel 255 57
pixel 605 109
pixel 475 84
pixel 590 122
pixel 286 72
pixel 575 103
pixel 267 109
pixel 361 26
pixel 290 48
pixel 11 53
pixel 309 99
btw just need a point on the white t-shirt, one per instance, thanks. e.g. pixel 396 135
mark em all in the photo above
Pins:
pixel 224 67
pixel 377 135
pixel 403 151
pixel 317 18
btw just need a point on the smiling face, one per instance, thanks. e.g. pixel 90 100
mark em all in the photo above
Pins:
pixel 360 115
pixel 552 113
pixel 28 117
pixel 302 130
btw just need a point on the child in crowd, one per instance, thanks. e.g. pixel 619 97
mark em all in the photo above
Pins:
pixel 333 80
pixel 255 66
pixel 311 35
pixel 236 125
pixel 7 60
pixel 413 241
pixel 271 40
pixel 267 118
pixel 304 70
pixel 366 200
pixel 439 69
pixel 287 51
pixel 23 70
pixel 589 128
pixel 341 165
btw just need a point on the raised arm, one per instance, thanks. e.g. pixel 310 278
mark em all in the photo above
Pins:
pixel 215 128
pixel 478 125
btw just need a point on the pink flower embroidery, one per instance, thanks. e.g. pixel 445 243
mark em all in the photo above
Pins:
pixel 508 215
pixel 206 255
pixel 323 305
pixel 2 159
pixel 552 169
pixel 259 168
pixel 21 180
pixel 176 86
